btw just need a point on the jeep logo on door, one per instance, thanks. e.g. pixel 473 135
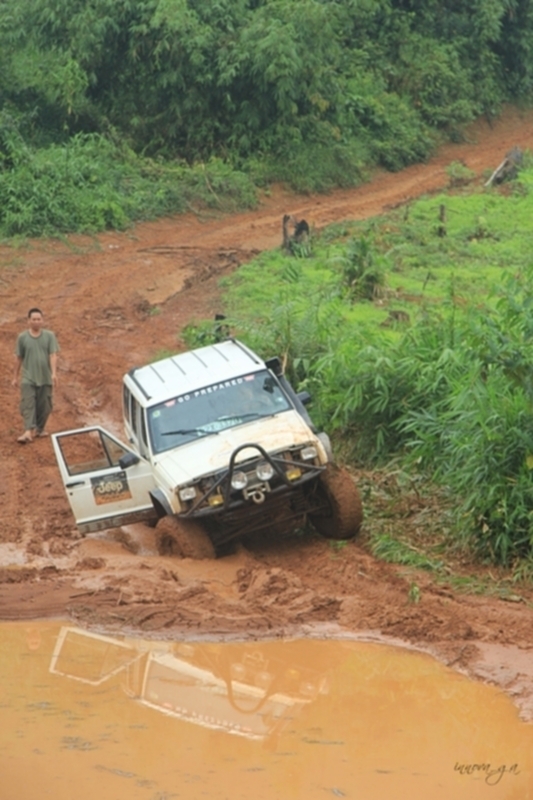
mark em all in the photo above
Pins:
pixel 110 488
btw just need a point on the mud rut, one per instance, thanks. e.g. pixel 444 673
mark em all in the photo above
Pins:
pixel 99 295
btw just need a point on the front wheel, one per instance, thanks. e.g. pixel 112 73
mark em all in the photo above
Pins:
pixel 342 513
pixel 184 538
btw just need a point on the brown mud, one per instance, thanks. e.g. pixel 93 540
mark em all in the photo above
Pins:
pixel 115 301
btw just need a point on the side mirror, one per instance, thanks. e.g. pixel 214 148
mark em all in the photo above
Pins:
pixel 128 460
pixel 275 366
pixel 304 398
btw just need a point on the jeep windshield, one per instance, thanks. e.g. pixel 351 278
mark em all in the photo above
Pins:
pixel 215 408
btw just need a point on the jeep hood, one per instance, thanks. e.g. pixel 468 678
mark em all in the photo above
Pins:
pixel 206 455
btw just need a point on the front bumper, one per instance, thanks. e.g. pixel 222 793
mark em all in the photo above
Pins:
pixel 286 494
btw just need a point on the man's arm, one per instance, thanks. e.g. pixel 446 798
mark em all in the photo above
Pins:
pixel 53 367
pixel 18 365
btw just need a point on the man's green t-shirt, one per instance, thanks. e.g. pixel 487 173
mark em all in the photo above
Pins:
pixel 35 353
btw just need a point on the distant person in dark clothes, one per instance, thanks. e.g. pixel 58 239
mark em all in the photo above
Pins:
pixel 36 353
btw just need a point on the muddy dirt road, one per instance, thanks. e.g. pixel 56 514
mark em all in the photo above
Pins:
pixel 99 296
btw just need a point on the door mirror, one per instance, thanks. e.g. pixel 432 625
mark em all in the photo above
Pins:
pixel 128 460
pixel 304 398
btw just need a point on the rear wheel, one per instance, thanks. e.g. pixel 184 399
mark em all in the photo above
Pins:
pixel 184 538
pixel 343 511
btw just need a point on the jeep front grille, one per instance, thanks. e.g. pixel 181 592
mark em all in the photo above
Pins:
pixel 244 481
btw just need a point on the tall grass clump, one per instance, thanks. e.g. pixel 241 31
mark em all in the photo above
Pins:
pixel 369 382
pixel 363 269
pixel 479 439
pixel 453 402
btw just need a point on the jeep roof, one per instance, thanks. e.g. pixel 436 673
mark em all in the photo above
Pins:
pixel 194 369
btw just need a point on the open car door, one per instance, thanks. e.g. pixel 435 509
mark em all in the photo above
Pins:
pixel 107 484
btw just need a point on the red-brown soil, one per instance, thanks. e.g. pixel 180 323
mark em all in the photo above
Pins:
pixel 115 301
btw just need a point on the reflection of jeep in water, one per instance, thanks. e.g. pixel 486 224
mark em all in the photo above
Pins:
pixel 247 689
pixel 221 446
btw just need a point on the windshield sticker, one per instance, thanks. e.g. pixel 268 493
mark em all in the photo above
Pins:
pixel 207 390
pixel 217 387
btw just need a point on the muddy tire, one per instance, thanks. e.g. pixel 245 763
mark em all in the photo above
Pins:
pixel 344 515
pixel 183 538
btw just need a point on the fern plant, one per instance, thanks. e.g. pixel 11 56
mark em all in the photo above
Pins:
pixel 364 269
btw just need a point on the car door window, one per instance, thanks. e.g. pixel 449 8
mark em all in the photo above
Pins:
pixel 88 451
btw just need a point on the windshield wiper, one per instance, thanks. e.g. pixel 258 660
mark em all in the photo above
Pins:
pixel 185 431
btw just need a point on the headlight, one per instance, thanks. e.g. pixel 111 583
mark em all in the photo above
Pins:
pixel 308 453
pixel 187 493
pixel 239 480
pixel 264 471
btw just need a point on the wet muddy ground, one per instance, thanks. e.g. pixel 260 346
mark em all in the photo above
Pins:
pixel 117 300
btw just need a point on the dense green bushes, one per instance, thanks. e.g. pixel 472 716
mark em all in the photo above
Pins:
pixel 434 399
pixel 89 184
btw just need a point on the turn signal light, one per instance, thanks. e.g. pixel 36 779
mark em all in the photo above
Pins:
pixel 294 473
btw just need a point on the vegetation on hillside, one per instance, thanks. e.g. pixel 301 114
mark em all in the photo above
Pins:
pixel 415 339
pixel 90 184
pixel 312 92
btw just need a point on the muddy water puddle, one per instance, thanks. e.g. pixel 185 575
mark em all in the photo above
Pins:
pixel 87 716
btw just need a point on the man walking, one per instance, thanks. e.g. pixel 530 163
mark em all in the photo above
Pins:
pixel 36 354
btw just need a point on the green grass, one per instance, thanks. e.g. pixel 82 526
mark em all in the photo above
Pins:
pixel 425 270
pixel 393 549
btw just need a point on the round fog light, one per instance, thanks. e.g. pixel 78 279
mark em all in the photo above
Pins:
pixel 239 480
pixel 264 471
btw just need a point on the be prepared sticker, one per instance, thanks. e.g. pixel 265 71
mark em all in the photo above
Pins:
pixel 111 488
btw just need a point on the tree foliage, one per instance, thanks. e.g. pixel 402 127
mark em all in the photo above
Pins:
pixel 310 92
pixel 198 77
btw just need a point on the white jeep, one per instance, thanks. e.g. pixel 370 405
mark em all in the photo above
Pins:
pixel 220 447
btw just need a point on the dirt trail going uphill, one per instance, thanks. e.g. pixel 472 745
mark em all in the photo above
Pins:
pixel 98 295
